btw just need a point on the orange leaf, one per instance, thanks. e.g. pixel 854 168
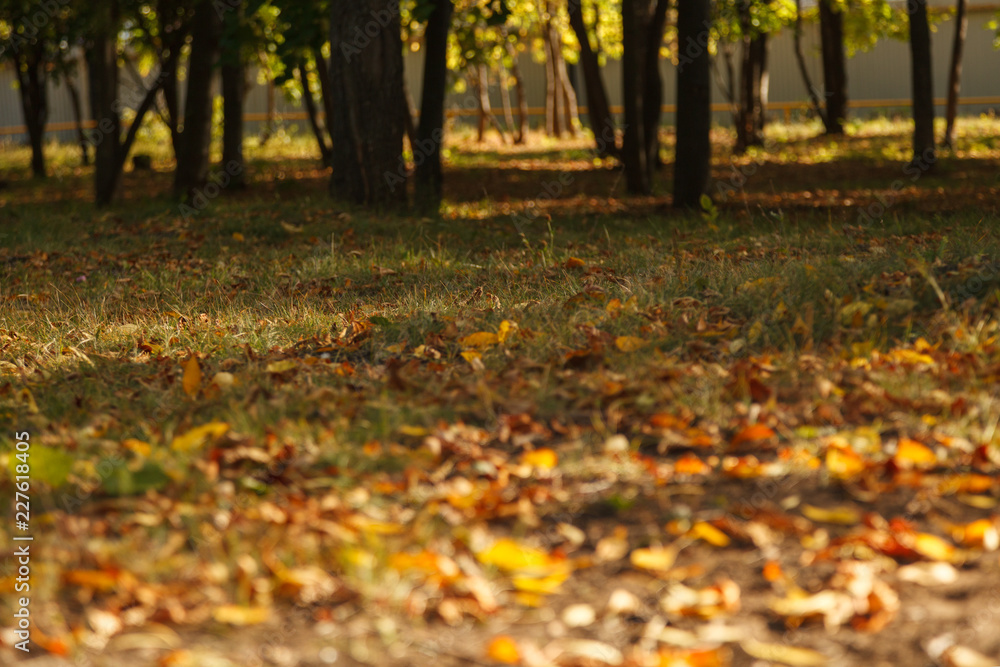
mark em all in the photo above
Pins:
pixel 753 433
pixel 480 339
pixel 912 454
pixel 503 649
pixel 541 458
pixel 689 464
pixel 772 571
pixel 575 263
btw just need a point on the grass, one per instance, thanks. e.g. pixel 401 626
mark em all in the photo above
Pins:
pixel 334 346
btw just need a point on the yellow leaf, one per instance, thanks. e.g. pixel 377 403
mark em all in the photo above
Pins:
pixel 629 343
pixel 912 454
pixel 507 554
pixel 541 458
pixel 198 436
pixel 784 654
pixel 843 462
pixel 238 237
pixel 503 649
pixel 237 615
pixel 25 398
pixel 933 547
pixel 138 446
pixel 709 533
pixel 654 558
pixel 290 228
pixel 471 355
pixel 277 367
pixel 847 516
pixel 192 377
pixel 480 339
pixel 413 431
pixel 543 585
pixel 505 328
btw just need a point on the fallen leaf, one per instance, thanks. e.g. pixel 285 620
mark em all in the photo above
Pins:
pixel 629 343
pixel 480 339
pixel 783 653
pixel 503 649
pixel 753 433
pixel 198 436
pixel 232 614
pixel 545 459
pixel 655 558
pixel 192 377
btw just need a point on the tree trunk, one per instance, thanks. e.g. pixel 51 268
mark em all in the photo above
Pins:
pixel 753 95
pixel 831 30
pixel 635 27
pixel 652 102
pixel 366 78
pixel 307 98
pixel 430 132
pixel 323 74
pixel 598 109
pixel 74 95
pixel 29 65
pixel 694 113
pixel 800 59
pixel 409 129
pixel 508 110
pixel 196 135
pixel 955 73
pixel 571 110
pixel 923 90
pixel 553 87
pixel 233 95
pixel 102 68
pixel 522 99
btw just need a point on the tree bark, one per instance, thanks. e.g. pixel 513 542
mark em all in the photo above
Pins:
pixel 598 109
pixel 522 99
pixel 233 94
pixel 923 90
pixel 831 29
pixel 694 113
pixel 430 131
pixel 32 80
pixel 652 102
pixel 74 95
pixel 955 72
pixel 753 82
pixel 102 68
pixel 196 134
pixel 635 26
pixel 800 59
pixel 313 115
pixel 366 78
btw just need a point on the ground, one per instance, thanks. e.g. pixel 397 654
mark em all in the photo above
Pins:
pixel 556 425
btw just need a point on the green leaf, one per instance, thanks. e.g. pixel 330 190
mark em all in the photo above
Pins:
pixel 48 464
pixel 124 482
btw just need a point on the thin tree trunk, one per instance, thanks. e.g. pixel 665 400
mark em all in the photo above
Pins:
pixel 553 119
pixel 323 74
pixel 196 136
pixel 409 128
pixel 522 99
pixel 571 110
pixel 923 95
pixel 598 109
pixel 831 28
pixel 508 111
pixel 268 130
pixel 652 102
pixel 74 95
pixel 366 79
pixel 429 178
pixel 955 72
pixel 800 59
pixel 307 97
pixel 694 114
